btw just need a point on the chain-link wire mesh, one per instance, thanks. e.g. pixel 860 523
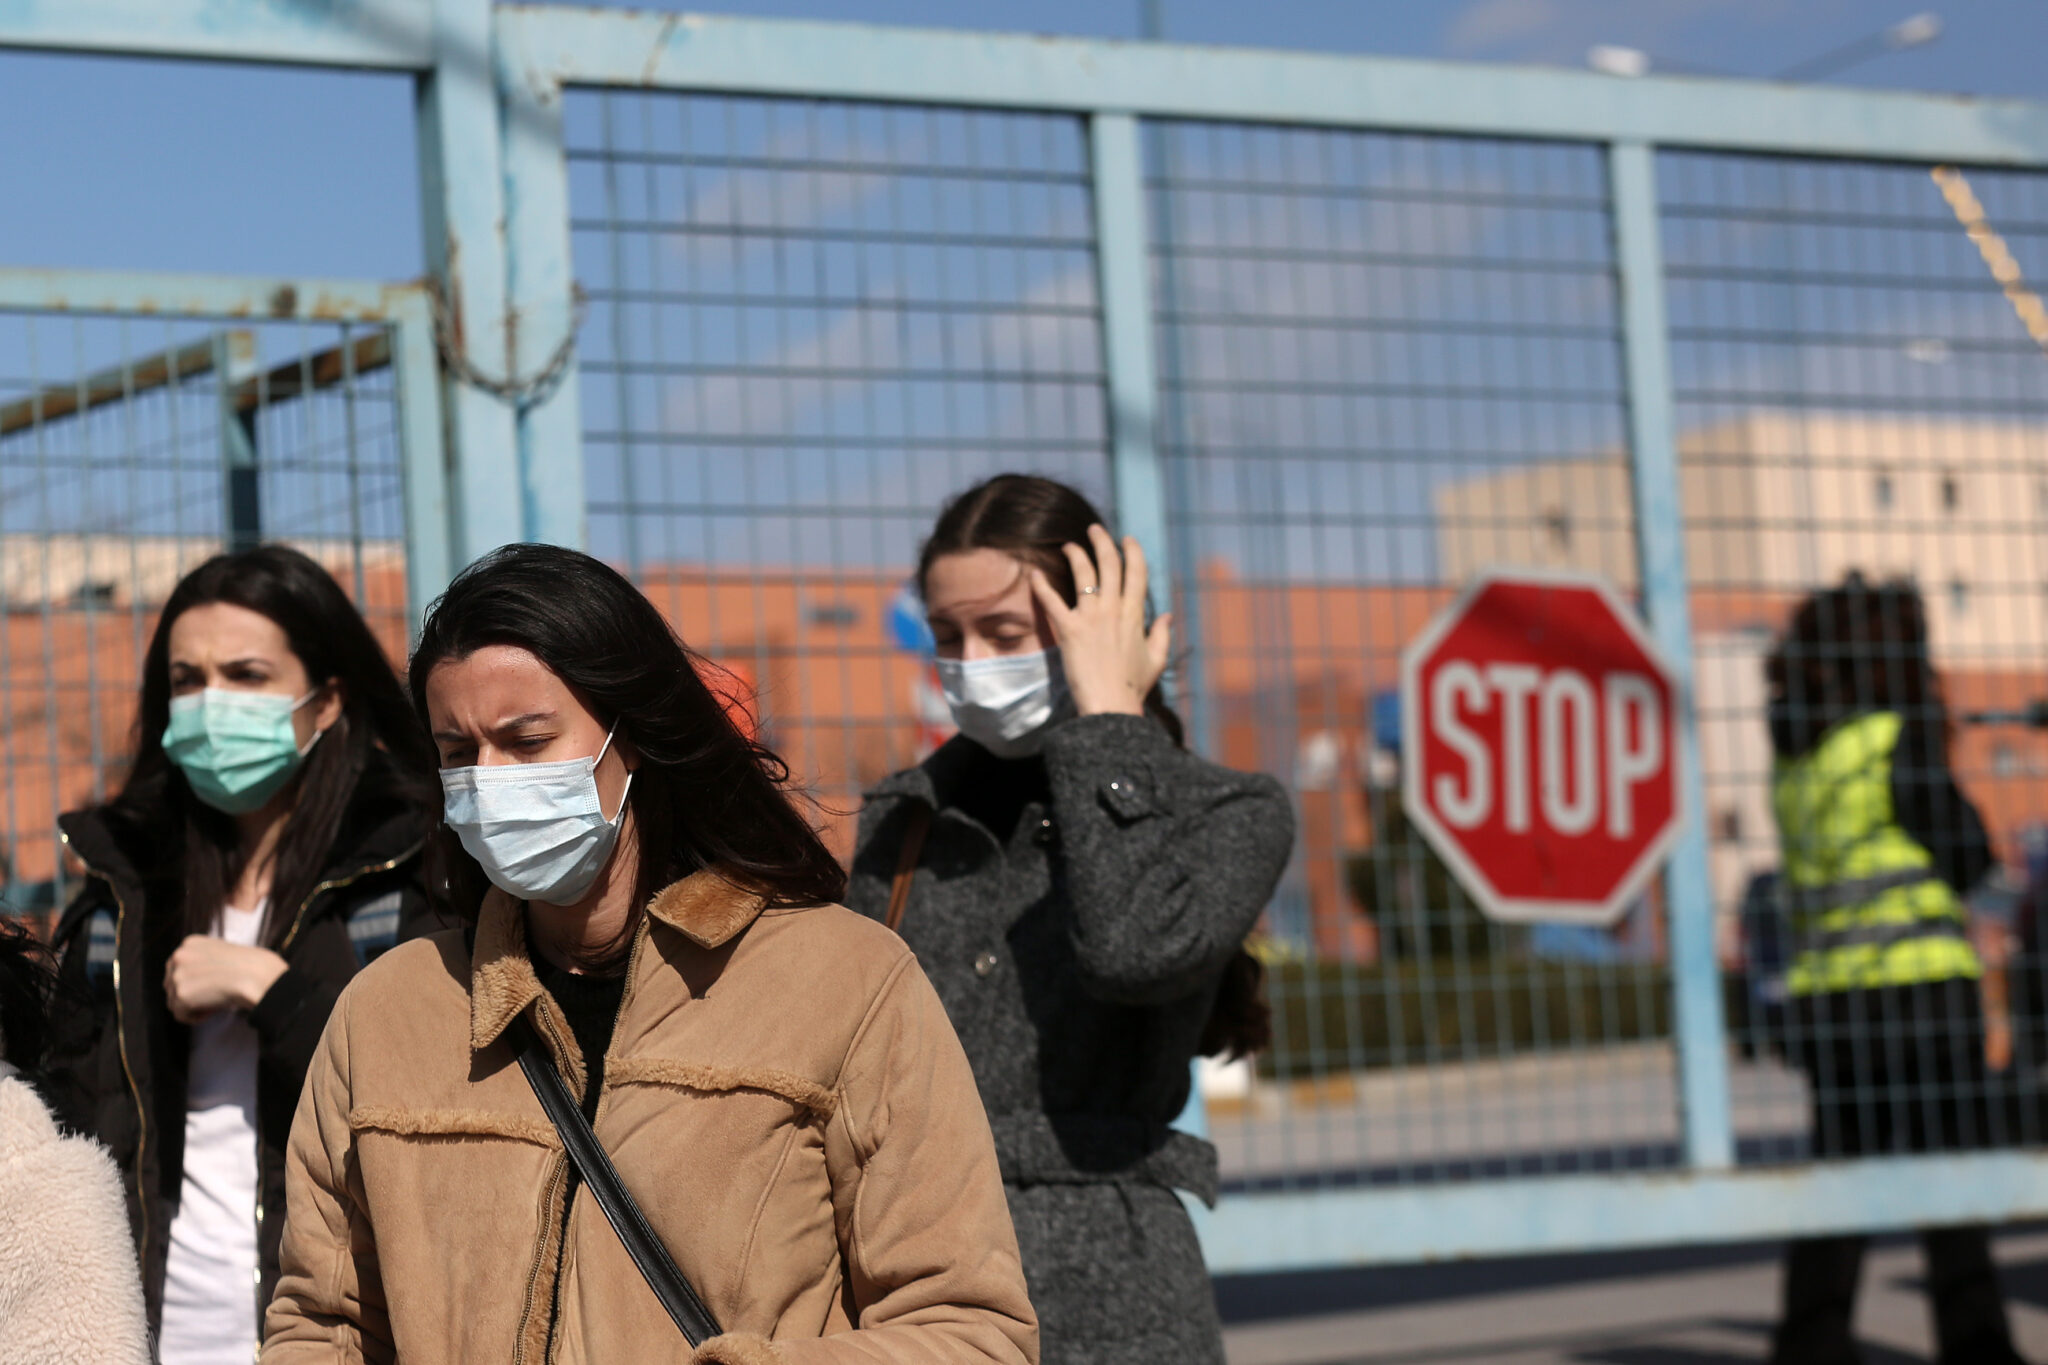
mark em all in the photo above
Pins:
pixel 1385 363
pixel 1389 361
pixel 131 449
pixel 809 325
pixel 1858 395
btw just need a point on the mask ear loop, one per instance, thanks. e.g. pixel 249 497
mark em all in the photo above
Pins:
pixel 602 751
pixel 316 691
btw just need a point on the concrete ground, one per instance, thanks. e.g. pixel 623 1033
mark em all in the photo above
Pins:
pixel 1528 1113
pixel 1692 1306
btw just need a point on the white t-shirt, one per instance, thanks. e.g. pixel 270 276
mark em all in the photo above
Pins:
pixel 210 1284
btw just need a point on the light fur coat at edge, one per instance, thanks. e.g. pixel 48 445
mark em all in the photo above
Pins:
pixel 69 1288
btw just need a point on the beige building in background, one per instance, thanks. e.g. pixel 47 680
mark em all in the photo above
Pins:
pixel 38 570
pixel 1776 504
pixel 1781 502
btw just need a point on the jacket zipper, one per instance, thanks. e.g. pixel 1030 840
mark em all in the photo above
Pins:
pixel 121 1012
pixel 551 1193
pixel 561 1171
pixel 335 883
pixel 127 1070
pixel 331 884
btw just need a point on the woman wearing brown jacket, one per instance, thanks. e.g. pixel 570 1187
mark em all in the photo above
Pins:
pixel 772 1076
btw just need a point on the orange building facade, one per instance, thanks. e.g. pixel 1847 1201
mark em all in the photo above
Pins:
pixel 1287 672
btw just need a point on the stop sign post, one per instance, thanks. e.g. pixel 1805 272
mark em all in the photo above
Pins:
pixel 1540 747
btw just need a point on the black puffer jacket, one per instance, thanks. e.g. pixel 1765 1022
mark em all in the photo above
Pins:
pixel 123 1079
pixel 1075 914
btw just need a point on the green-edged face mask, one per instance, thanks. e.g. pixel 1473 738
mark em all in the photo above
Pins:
pixel 237 749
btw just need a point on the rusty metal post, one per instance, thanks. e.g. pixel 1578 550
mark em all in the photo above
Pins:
pixel 241 484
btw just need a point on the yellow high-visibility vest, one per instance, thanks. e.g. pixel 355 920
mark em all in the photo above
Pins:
pixel 1868 907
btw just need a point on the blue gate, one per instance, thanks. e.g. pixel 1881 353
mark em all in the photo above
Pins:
pixel 736 303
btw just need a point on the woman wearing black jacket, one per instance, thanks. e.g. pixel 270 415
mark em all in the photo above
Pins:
pixel 263 849
pixel 1078 888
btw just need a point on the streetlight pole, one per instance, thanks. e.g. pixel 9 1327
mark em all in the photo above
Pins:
pixel 1917 31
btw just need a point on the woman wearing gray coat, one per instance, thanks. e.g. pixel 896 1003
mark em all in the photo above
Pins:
pixel 1078 888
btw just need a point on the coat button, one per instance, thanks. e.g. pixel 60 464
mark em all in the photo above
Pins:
pixel 984 964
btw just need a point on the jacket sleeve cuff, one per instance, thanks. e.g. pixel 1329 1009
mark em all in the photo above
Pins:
pixel 281 1004
pixel 1115 758
pixel 737 1348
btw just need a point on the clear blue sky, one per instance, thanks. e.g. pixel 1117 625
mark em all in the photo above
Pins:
pixel 181 166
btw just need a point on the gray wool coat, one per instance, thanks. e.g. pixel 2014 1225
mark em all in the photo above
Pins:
pixel 1079 963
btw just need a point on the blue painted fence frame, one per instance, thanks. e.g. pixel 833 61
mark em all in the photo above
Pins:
pixel 490 85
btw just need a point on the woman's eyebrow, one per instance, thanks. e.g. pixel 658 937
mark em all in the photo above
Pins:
pixel 530 718
pixel 225 663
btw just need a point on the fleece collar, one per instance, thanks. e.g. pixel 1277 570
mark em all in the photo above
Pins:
pixel 703 907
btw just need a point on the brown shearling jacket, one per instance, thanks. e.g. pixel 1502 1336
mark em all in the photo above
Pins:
pixel 783 1095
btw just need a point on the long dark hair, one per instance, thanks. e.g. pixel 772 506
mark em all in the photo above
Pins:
pixel 1855 647
pixel 1030 519
pixel 705 794
pixel 375 751
pixel 28 993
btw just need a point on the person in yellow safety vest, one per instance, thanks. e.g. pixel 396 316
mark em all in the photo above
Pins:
pixel 1878 846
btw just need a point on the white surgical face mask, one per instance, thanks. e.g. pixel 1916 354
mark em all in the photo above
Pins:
pixel 1004 704
pixel 537 829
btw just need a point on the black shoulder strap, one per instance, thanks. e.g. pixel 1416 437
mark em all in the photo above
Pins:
pixel 657 1267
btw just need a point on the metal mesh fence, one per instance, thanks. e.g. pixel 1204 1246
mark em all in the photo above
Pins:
pixel 131 449
pixel 1858 393
pixel 1389 361
pixel 1386 362
pixel 811 323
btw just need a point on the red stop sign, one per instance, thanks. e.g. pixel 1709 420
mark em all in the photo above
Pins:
pixel 1540 747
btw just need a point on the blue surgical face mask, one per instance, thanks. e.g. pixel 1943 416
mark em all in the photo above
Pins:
pixel 236 749
pixel 538 830
pixel 1005 703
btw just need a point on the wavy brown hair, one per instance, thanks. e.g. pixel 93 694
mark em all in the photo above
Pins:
pixel 1032 519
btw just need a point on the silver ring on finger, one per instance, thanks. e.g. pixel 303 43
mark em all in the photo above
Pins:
pixel 1091 589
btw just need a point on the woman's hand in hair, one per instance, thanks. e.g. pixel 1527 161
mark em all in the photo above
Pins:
pixel 1111 660
pixel 209 974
